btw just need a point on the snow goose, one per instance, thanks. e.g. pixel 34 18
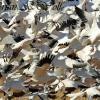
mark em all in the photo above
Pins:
pixel 36 57
pixel 21 26
pixel 90 38
pixel 23 43
pixel 19 19
pixel 31 13
pixel 57 16
pixel 61 60
pixel 70 22
pixel 65 44
pixel 96 4
pixel 5 31
pixel 18 47
pixel 94 29
pixel 68 83
pixel 40 73
pixel 36 24
pixel 84 16
pixel 44 41
pixel 92 92
pixel 74 96
pixel 87 74
pixel 13 87
pixel 87 51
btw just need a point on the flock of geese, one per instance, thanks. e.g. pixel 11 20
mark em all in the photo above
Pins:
pixel 50 50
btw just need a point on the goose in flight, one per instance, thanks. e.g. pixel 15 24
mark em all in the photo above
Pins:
pixel 40 73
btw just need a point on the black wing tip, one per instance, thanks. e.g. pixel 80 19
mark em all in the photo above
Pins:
pixel 47 59
pixel 53 42
pixel 8 68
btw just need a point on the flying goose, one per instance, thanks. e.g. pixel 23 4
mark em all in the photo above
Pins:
pixel 40 73
pixel 17 47
pixel 96 5
pixel 92 92
pixel 33 65
pixel 13 87
pixel 95 28
pixel 74 96
pixel 69 83
pixel 84 16
pixel 5 31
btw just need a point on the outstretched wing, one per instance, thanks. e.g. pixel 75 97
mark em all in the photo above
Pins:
pixel 46 60
pixel 80 13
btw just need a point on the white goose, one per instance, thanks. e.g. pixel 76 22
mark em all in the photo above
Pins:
pixel 94 29
pixel 61 51
pixel 96 4
pixel 73 96
pixel 67 83
pixel 88 52
pixel 66 62
pixel 16 83
pixel 30 71
pixel 5 31
pixel 84 15
pixel 19 22
pixel 92 91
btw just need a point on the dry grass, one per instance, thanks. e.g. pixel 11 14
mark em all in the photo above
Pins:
pixel 59 95
pixel 36 98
